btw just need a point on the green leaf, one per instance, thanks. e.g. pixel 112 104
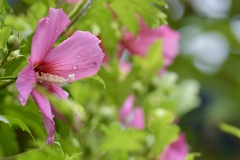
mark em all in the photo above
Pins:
pixel 99 79
pixel 100 20
pixel 47 3
pixel 8 141
pixel 5 33
pixel 190 99
pixel 230 129
pixel 26 23
pixel 20 68
pixel 151 63
pixel 125 10
pixel 163 129
pixel 32 154
pixel 15 121
pixel 53 152
pixel 122 88
pixel 76 156
pixel 151 15
pixel 128 10
pixel 2 9
pixel 116 139
pixel 191 156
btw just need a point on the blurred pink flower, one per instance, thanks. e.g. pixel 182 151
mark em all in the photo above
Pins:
pixel 125 67
pixel 77 57
pixel 176 151
pixel 130 116
pixel 139 45
pixel 72 1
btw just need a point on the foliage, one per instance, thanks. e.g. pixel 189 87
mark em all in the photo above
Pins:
pixel 230 129
pixel 87 124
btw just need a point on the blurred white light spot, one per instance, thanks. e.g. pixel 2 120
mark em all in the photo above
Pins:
pixel 212 8
pixel 176 9
pixel 209 50
pixel 235 25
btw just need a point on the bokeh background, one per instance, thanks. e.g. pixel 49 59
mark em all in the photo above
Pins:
pixel 210 53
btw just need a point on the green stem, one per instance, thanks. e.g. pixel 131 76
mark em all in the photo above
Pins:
pixel 79 11
pixel 4 59
pixel 75 10
pixel 11 78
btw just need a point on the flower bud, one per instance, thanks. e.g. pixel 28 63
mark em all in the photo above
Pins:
pixel 14 41
pixel 14 55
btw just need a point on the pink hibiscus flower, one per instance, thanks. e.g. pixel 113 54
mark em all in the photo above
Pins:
pixel 176 151
pixel 77 57
pixel 131 117
pixel 146 37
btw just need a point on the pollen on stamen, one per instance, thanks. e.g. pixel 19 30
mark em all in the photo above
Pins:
pixel 50 78
pixel 71 77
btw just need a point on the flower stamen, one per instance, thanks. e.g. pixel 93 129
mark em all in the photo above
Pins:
pixel 53 79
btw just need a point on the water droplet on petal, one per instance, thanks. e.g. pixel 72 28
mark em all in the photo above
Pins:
pixel 80 55
pixel 75 67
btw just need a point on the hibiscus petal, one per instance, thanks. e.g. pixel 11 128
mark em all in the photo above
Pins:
pixel 138 118
pixel 47 32
pixel 56 90
pixel 126 109
pixel 147 36
pixel 45 107
pixel 176 151
pixel 170 43
pixel 25 83
pixel 80 55
pixel 144 40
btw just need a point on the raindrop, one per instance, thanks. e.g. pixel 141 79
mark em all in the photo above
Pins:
pixel 75 67
pixel 80 55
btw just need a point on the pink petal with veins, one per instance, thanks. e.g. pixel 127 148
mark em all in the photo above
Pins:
pixel 47 32
pixel 45 107
pixel 80 55
pixel 56 90
pixel 25 83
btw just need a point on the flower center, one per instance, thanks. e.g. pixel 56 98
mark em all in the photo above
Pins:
pixel 53 79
